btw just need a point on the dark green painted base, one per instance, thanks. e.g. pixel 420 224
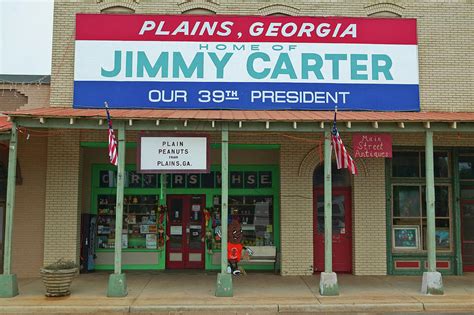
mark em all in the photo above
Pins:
pixel 8 286
pixel 224 285
pixel 117 285
pixel 328 284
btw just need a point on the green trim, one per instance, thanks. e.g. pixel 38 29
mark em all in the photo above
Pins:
pixel 388 210
pixel 142 250
pixel 453 255
pixel 208 192
pixel 457 214
pixel 237 146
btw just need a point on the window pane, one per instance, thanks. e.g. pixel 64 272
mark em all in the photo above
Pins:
pixel 340 178
pixel 440 164
pixel 466 167
pixel 405 164
pixel 255 214
pixel 441 201
pixel 406 201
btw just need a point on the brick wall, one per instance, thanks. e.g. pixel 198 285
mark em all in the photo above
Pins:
pixel 28 216
pixel 62 215
pixel 369 218
pixel 23 96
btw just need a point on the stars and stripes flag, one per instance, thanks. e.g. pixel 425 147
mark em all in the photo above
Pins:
pixel 112 141
pixel 343 159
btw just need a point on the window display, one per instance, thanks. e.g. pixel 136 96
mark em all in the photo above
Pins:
pixel 143 222
pixel 255 214
pixel 409 199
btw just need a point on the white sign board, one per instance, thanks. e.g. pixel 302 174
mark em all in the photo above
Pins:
pixel 173 154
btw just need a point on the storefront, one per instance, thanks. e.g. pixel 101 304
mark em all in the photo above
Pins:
pixel 263 91
pixel 185 235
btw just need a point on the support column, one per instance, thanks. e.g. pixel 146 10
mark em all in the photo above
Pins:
pixel 432 282
pixel 117 281
pixel 162 189
pixel 224 279
pixel 328 282
pixel 8 282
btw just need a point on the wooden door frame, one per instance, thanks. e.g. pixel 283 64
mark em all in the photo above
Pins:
pixel 347 191
pixel 185 263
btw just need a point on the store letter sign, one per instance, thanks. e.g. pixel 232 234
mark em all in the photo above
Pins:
pixel 173 154
pixel 372 145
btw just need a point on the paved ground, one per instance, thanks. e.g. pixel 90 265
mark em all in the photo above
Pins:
pixel 258 293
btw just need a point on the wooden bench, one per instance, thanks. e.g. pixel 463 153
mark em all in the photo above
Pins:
pixel 261 255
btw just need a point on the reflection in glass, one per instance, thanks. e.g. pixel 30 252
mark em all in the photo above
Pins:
pixel 406 201
pixel 406 164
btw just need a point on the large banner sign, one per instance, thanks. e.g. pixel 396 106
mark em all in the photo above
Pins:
pixel 245 62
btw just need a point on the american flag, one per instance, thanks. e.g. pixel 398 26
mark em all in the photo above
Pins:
pixel 112 141
pixel 343 159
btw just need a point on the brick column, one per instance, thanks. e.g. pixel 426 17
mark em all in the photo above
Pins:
pixel 62 213
pixel 369 219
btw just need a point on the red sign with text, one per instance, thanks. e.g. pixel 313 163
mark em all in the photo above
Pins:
pixel 372 145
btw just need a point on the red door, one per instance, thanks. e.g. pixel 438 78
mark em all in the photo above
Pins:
pixel 467 234
pixel 185 230
pixel 341 230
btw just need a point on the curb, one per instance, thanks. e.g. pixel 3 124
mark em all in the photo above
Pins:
pixel 225 308
pixel 450 306
pixel 63 309
pixel 319 308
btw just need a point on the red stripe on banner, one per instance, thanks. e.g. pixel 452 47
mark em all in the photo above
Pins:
pixel 222 28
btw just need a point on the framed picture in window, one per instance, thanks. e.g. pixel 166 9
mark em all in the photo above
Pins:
pixel 442 238
pixel 406 237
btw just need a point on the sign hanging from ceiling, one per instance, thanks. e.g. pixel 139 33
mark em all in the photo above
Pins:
pixel 245 62
pixel 173 154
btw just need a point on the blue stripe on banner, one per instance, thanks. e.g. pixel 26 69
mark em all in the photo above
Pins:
pixel 246 96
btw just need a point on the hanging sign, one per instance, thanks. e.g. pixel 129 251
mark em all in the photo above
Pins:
pixel 245 62
pixel 372 145
pixel 173 154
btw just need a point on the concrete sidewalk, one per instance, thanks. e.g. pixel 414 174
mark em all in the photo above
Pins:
pixel 193 291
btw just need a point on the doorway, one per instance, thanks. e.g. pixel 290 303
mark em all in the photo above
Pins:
pixel 185 230
pixel 341 230
pixel 467 234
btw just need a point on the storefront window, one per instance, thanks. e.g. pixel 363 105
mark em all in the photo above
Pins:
pixel 142 223
pixel 255 214
pixel 409 221
pixel 407 218
pixel 412 164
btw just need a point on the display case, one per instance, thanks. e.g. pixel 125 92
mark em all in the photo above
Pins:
pixel 143 222
pixel 255 214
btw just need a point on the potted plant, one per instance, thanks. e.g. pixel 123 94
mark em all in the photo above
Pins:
pixel 57 277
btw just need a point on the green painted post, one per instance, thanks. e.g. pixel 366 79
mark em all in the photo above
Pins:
pixel 8 281
pixel 457 215
pixel 162 189
pixel 432 282
pixel 117 281
pixel 224 279
pixel 327 204
pixel 430 203
pixel 328 282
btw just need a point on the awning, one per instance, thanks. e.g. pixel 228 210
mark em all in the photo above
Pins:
pixel 244 115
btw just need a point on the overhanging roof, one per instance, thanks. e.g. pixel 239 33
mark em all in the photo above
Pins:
pixel 5 125
pixel 245 120
pixel 245 115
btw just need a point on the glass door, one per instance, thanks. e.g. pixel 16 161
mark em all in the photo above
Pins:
pixel 185 230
